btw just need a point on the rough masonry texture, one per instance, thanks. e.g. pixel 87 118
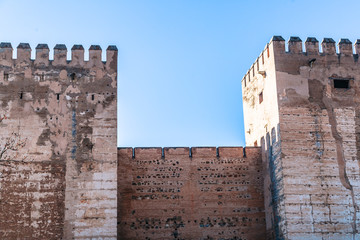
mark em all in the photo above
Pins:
pixel 207 194
pixel 58 153
pixel 303 108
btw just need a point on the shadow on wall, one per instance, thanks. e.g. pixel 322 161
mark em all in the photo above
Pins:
pixel 273 184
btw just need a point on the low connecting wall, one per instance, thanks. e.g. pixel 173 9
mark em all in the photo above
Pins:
pixel 197 193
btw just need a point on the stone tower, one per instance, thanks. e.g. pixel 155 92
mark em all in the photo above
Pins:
pixel 303 108
pixel 58 151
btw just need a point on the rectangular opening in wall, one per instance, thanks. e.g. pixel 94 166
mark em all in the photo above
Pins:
pixel 6 76
pixel 341 83
pixel 260 97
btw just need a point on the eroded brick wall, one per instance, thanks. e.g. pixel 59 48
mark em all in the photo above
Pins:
pixel 58 149
pixel 319 139
pixel 32 200
pixel 311 155
pixel 169 195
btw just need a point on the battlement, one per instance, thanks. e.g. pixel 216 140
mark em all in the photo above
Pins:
pixel 300 102
pixel 328 46
pixel 311 48
pixel 60 56
pixel 158 152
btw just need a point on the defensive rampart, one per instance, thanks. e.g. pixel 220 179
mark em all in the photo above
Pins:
pixel 190 193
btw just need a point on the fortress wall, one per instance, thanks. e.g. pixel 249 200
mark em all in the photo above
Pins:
pixel 57 152
pixel 319 138
pixel 261 120
pixel 197 193
pixel 259 98
pixel 312 157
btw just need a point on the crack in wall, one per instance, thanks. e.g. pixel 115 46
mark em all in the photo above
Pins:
pixel 73 134
pixel 340 157
pixel 312 216
pixel 325 102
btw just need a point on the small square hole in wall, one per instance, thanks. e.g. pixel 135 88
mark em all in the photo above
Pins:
pixel 261 97
pixel 341 83
pixel 73 76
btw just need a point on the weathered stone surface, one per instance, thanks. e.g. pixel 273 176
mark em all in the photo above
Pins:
pixel 309 130
pixel 58 149
pixel 31 200
pixel 166 194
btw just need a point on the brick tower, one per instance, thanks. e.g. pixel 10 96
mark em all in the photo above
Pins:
pixel 58 143
pixel 303 108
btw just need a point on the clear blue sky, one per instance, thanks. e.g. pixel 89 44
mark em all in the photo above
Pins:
pixel 180 61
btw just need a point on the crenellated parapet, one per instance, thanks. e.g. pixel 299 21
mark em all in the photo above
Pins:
pixel 60 56
pixel 214 152
pixel 328 46
pixel 328 51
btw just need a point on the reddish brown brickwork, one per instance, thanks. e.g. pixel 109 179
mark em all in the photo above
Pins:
pixel 210 195
pixel 32 200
